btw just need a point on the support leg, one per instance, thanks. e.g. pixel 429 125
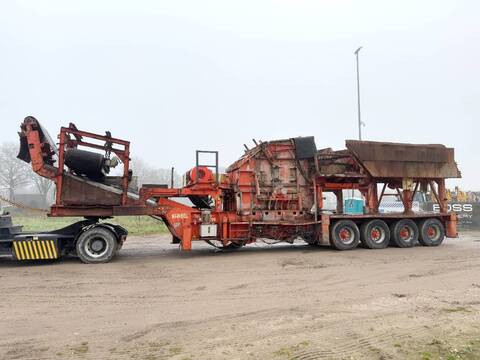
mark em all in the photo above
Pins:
pixel 442 195
pixel 407 201
pixel 339 195
pixel 187 238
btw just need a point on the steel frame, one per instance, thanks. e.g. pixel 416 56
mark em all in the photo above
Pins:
pixel 236 224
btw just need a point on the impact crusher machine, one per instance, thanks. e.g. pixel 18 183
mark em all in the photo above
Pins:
pixel 275 190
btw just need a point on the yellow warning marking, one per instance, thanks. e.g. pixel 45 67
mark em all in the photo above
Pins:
pixel 40 251
pixel 21 250
pixel 25 255
pixel 30 247
pixel 44 250
pixel 18 251
pixel 49 250
pixel 29 250
pixel 54 249
pixel 37 252
pixel 25 248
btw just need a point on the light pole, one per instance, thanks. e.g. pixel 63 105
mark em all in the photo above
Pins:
pixel 360 123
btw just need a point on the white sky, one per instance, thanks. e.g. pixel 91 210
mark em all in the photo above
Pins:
pixel 175 76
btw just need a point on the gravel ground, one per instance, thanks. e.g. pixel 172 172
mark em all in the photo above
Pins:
pixel 260 302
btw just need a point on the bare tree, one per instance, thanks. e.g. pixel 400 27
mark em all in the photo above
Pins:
pixel 13 172
pixel 147 174
pixel 140 169
pixel 43 185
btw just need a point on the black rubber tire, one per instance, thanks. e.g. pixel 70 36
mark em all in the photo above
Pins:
pixel 367 231
pixel 396 236
pixel 336 235
pixel 233 246
pixel 310 239
pixel 426 238
pixel 102 236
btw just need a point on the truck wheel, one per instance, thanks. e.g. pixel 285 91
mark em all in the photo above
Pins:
pixel 432 232
pixel 375 234
pixel 404 233
pixel 344 235
pixel 96 245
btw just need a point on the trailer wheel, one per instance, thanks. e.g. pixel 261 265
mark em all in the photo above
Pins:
pixel 375 234
pixel 432 232
pixel 344 235
pixel 96 245
pixel 404 233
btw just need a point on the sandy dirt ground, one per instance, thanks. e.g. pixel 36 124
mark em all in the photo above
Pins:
pixel 281 302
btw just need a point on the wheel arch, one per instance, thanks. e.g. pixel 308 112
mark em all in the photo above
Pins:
pixel 119 231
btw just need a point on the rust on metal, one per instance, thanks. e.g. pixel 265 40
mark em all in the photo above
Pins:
pixel 389 160
pixel 275 190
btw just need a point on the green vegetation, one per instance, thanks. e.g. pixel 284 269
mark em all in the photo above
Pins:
pixel 136 225
pixel 458 347
pixel 175 350
pixel 80 349
pixel 426 356
pixel 469 351
pixel 288 352
pixel 456 309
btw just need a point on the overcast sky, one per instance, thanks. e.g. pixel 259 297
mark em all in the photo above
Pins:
pixel 175 76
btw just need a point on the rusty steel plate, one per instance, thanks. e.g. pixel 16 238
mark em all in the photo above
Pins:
pixel 388 160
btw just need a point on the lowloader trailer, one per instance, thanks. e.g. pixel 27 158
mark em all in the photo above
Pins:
pixel 275 190
pixel 52 245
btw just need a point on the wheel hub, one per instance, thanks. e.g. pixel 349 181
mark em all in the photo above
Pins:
pixel 345 235
pixel 375 234
pixel 97 245
pixel 405 233
pixel 434 232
